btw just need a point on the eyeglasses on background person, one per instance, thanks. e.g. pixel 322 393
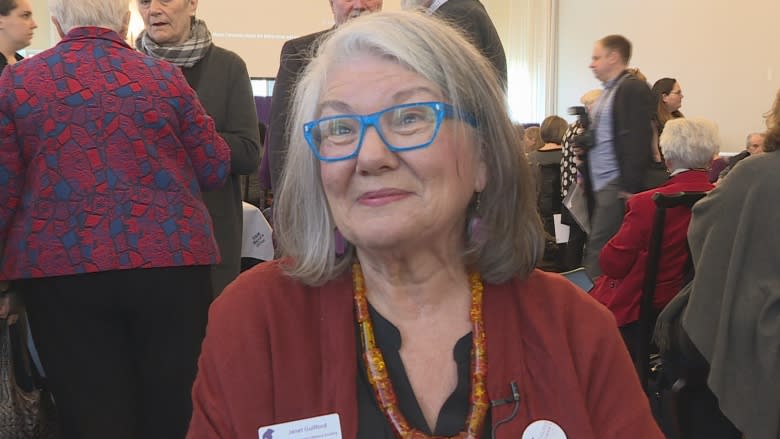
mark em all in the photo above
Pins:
pixel 401 127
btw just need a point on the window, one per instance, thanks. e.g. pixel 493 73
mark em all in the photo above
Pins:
pixel 263 86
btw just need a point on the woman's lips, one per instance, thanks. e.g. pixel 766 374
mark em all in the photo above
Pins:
pixel 382 197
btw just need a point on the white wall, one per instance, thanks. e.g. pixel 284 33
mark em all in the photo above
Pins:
pixel 722 52
pixel 44 34
pixel 257 29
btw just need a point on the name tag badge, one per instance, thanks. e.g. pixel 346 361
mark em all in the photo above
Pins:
pixel 544 429
pixel 320 427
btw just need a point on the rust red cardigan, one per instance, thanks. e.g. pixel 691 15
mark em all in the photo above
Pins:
pixel 277 351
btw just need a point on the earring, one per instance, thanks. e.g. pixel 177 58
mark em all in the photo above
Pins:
pixel 340 243
pixel 476 234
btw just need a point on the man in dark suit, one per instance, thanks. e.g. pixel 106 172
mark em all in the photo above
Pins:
pixel 296 54
pixel 473 20
pixel 621 153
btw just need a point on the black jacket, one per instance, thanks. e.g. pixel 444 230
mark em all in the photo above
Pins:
pixel 632 112
pixel 4 62
pixel 473 20
pixel 296 54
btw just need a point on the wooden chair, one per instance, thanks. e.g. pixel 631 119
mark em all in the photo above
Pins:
pixel 689 409
pixel 647 313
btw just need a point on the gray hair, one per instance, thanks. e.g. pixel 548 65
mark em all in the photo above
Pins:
pixel 101 13
pixel 690 143
pixel 512 236
pixel 748 143
pixel 415 4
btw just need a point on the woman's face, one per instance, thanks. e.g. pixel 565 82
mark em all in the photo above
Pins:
pixel 167 21
pixel 673 99
pixel 381 200
pixel 17 27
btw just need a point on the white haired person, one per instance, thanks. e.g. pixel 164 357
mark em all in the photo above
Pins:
pixel 104 153
pixel 432 320
pixel 222 83
pixel 688 147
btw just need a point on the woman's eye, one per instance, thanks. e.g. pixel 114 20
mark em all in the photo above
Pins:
pixel 338 128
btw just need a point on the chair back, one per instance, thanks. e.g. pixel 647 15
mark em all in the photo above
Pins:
pixel 647 313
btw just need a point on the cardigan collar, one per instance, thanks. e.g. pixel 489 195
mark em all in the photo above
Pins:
pixel 688 176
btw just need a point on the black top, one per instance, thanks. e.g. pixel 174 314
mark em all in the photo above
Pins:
pixel 452 417
pixel 4 61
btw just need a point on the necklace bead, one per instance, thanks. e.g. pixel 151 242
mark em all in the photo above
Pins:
pixel 379 379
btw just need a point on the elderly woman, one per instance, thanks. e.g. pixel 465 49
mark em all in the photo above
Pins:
pixel 432 321
pixel 221 80
pixel 688 147
pixel 103 155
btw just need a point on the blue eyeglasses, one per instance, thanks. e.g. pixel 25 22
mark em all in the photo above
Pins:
pixel 401 127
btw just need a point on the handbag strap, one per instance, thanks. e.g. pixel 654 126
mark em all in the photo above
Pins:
pixel 7 378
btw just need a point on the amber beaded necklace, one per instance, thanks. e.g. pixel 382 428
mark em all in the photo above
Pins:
pixel 380 381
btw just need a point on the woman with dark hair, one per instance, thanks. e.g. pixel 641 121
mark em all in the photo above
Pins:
pixel 16 29
pixel 548 160
pixel 668 94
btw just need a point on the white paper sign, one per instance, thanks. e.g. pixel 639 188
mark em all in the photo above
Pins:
pixel 320 427
pixel 256 240
pixel 561 230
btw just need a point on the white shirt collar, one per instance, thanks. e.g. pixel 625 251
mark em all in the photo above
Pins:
pixel 435 6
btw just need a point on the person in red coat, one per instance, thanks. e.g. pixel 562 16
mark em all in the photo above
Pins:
pixel 431 321
pixel 688 147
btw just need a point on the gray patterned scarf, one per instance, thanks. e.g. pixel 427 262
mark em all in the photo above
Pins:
pixel 186 54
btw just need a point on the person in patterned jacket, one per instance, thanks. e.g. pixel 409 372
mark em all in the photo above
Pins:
pixel 104 153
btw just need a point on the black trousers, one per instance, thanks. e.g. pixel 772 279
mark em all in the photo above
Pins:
pixel 120 348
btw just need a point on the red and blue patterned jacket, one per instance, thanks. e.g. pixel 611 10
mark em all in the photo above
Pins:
pixel 103 156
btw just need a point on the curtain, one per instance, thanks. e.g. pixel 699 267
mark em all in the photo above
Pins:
pixel 529 35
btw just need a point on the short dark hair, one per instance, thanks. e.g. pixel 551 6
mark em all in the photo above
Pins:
pixel 6 6
pixel 618 43
pixel 663 86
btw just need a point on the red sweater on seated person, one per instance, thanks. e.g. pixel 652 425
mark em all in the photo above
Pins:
pixel 624 258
